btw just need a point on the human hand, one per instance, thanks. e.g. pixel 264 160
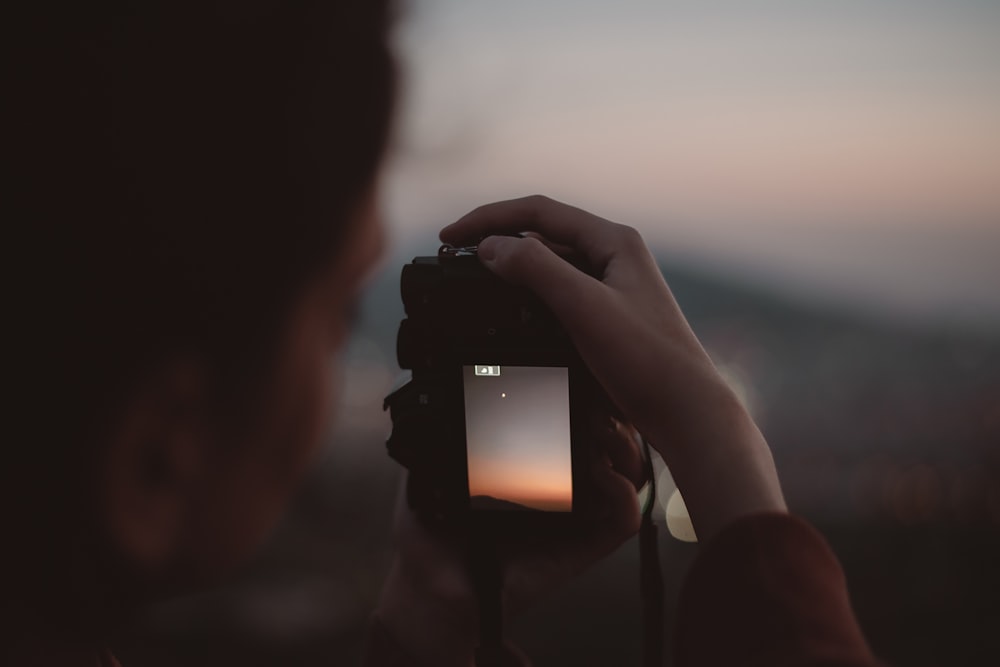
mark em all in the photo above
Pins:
pixel 429 602
pixel 631 333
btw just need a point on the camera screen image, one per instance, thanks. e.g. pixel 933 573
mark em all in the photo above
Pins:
pixel 517 428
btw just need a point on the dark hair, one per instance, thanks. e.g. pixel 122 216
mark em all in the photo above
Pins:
pixel 184 169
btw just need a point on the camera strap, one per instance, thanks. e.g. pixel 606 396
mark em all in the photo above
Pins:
pixel 487 578
pixel 650 576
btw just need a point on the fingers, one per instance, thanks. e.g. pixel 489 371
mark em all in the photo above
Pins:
pixel 620 516
pixel 622 445
pixel 594 237
pixel 564 251
pixel 536 564
pixel 570 293
pixel 615 253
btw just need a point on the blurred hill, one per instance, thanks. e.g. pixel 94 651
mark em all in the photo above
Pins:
pixel 886 437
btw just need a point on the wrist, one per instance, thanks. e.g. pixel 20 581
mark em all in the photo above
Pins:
pixel 722 465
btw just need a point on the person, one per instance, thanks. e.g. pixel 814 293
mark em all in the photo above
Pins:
pixel 766 589
pixel 197 188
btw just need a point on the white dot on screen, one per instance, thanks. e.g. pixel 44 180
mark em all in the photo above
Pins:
pixel 503 395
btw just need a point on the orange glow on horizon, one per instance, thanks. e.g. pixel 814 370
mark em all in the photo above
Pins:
pixel 550 490
pixel 518 438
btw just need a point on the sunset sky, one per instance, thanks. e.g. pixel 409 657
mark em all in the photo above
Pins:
pixel 848 150
pixel 518 436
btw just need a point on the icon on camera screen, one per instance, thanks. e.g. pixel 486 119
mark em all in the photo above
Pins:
pixel 488 370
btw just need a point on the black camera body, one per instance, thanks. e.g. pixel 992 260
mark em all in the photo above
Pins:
pixel 498 417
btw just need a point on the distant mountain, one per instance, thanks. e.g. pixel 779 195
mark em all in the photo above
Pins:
pixel 491 504
pixel 832 390
pixel 886 438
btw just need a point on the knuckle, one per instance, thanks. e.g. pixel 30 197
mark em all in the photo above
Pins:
pixel 538 204
pixel 629 236
pixel 538 200
pixel 479 211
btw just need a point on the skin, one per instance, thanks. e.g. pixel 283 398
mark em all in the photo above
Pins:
pixel 428 602
pixel 207 507
pixel 214 500
pixel 657 373
pixel 181 495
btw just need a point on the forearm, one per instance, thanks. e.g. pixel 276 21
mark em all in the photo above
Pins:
pixel 769 585
pixel 718 458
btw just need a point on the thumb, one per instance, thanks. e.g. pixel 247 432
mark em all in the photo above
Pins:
pixel 527 262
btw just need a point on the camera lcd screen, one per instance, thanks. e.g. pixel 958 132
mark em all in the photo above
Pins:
pixel 517 428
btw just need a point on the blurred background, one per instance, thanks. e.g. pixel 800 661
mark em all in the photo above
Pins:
pixel 821 184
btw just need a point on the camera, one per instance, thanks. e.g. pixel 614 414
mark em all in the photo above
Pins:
pixel 497 417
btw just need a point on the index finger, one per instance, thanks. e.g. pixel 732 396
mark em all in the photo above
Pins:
pixel 594 237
